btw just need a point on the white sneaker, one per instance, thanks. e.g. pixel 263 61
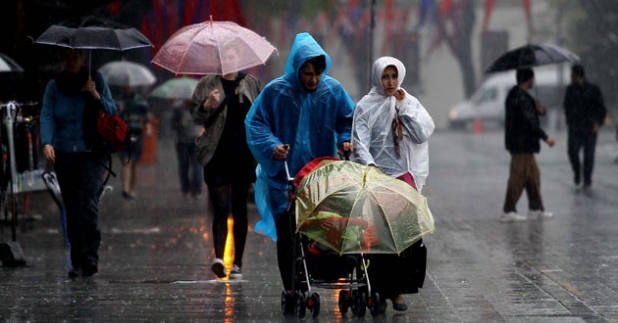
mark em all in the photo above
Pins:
pixel 236 273
pixel 512 217
pixel 535 214
pixel 218 268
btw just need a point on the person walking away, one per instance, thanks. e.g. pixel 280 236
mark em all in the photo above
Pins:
pixel 521 135
pixel 190 171
pixel 390 131
pixel 135 111
pixel 585 112
pixel 220 106
pixel 298 117
pixel 79 168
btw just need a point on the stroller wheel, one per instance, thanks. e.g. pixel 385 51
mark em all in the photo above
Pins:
pixel 344 302
pixel 355 302
pixel 301 304
pixel 374 305
pixel 287 303
pixel 361 303
pixel 313 303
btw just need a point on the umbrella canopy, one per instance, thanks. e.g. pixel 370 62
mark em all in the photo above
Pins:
pixel 531 56
pixel 92 32
pixel 176 88
pixel 124 73
pixel 198 48
pixel 352 208
pixel 8 65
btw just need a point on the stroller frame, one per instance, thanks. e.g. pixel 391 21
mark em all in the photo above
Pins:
pixel 355 290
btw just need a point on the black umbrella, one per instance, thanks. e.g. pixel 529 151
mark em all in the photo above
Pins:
pixel 92 32
pixel 531 56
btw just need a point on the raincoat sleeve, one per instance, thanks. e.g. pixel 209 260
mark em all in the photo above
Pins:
pixel 415 119
pixel 345 115
pixel 361 137
pixel 259 125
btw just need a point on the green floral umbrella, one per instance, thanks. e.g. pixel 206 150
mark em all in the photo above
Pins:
pixel 352 208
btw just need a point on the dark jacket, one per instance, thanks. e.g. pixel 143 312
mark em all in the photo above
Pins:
pixel 583 107
pixel 522 129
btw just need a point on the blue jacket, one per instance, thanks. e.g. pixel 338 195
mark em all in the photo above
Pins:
pixel 314 124
pixel 61 115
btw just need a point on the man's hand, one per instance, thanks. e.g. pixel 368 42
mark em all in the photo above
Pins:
pixel 345 149
pixel 550 141
pixel 213 99
pixel 540 109
pixel 595 128
pixel 281 152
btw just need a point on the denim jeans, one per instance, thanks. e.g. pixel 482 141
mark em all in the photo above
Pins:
pixel 80 177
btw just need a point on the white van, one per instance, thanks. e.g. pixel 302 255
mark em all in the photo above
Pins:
pixel 487 103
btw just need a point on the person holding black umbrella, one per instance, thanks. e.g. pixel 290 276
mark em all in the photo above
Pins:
pixel 79 168
pixel 522 134
pixel 585 112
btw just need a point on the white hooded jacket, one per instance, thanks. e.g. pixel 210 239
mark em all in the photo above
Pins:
pixel 372 133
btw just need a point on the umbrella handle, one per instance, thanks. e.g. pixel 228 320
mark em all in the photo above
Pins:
pixel 89 63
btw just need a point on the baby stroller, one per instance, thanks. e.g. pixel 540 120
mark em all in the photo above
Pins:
pixel 315 265
pixel 342 211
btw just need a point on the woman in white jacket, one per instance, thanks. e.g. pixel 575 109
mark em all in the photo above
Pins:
pixel 390 131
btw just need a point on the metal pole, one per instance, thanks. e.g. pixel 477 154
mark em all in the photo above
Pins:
pixel 372 25
pixel 10 108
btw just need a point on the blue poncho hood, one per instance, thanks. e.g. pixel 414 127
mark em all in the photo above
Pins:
pixel 313 123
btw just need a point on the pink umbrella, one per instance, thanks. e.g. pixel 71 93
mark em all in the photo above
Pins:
pixel 198 49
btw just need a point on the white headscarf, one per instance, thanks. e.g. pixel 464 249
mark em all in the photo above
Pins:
pixel 372 133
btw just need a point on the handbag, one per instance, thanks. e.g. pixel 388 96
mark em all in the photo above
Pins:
pixel 201 142
pixel 104 132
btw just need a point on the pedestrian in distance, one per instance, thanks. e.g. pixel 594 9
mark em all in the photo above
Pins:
pixel 221 104
pixel 521 135
pixel 300 116
pixel 390 131
pixel 79 168
pixel 190 171
pixel 585 112
pixel 135 111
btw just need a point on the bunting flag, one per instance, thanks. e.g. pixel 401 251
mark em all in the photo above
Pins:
pixel 168 16
pixel 527 9
pixel 445 7
pixel 115 7
pixel 489 6
pixel 426 8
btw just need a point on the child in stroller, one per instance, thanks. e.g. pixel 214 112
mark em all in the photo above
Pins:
pixel 316 265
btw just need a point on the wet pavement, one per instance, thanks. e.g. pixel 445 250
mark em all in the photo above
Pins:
pixel 156 251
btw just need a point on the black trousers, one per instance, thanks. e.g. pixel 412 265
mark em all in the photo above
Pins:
pixel 285 247
pixel 576 141
pixel 80 177
pixel 226 190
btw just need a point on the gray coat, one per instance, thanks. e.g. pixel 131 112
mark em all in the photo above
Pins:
pixel 206 144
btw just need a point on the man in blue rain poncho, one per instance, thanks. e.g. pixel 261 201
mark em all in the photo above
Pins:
pixel 297 117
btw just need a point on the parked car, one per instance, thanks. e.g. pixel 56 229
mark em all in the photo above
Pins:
pixel 487 103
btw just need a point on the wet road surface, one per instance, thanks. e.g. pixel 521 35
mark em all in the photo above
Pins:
pixel 156 251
